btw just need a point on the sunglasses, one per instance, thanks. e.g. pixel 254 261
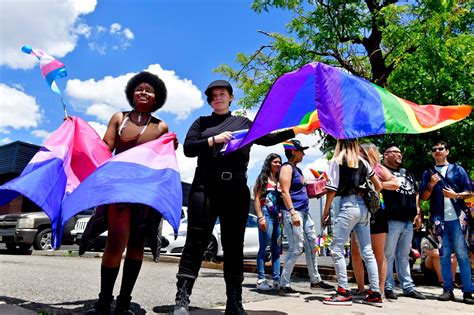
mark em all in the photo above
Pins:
pixel 437 149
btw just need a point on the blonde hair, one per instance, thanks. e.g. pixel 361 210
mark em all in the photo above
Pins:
pixel 347 151
pixel 370 153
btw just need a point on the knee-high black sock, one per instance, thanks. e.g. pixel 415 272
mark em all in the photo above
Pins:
pixel 131 269
pixel 108 275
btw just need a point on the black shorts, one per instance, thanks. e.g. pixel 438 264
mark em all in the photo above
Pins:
pixel 379 222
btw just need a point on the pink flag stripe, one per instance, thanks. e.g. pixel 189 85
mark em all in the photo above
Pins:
pixel 151 154
pixel 51 66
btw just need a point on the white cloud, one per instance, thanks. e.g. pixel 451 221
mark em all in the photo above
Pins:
pixel 101 98
pixel 18 109
pixel 49 25
pixel 42 134
pixel 186 165
pixel 98 127
pixel 116 37
pixel 5 140
pixel 115 27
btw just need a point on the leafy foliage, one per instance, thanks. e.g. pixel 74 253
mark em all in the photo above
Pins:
pixel 419 50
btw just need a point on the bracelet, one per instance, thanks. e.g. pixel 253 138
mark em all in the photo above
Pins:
pixel 258 219
pixel 289 210
pixel 213 140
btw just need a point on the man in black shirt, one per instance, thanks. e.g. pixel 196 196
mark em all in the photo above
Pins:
pixel 402 212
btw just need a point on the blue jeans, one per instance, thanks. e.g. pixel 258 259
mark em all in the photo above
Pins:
pixel 453 240
pixel 303 236
pixel 353 215
pixel 270 237
pixel 397 249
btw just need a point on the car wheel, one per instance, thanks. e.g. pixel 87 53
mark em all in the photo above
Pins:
pixel 211 251
pixel 43 240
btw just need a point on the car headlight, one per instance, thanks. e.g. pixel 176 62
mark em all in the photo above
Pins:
pixel 25 223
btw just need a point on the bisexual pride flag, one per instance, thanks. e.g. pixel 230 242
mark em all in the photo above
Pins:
pixel 147 174
pixel 70 154
pixel 344 106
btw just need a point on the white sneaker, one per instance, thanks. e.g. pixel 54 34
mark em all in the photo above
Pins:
pixel 263 285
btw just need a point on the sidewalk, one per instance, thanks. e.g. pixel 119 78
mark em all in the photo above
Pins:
pixel 311 303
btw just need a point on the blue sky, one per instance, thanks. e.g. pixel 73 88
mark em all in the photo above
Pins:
pixel 104 42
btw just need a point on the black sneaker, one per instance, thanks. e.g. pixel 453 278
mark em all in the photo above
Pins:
pixel 321 285
pixel 374 298
pixel 467 298
pixel 446 296
pixel 288 291
pixel 358 294
pixel 342 297
pixel 389 294
pixel 415 295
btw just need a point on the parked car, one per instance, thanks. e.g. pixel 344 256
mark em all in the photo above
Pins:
pixel 20 231
pixel 214 249
pixel 175 246
pixel 99 242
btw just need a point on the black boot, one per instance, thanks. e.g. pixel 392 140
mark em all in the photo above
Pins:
pixel 123 306
pixel 185 287
pixel 234 296
pixel 102 306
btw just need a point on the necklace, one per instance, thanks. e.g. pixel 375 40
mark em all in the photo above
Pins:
pixel 126 119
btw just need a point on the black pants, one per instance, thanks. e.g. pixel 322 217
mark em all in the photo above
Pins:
pixel 208 199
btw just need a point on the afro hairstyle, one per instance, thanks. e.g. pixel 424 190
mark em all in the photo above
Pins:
pixel 152 79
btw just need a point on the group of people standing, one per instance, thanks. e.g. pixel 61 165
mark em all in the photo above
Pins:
pixel 382 239
pixel 219 189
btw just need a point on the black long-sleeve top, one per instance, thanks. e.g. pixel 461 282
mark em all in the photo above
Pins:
pixel 196 143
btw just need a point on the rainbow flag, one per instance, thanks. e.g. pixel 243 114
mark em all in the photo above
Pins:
pixel 51 68
pixel 146 174
pixel 69 155
pixel 344 106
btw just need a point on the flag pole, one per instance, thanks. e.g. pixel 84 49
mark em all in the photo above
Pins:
pixel 64 106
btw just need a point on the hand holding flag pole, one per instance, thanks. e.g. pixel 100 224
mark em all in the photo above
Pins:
pixel 51 69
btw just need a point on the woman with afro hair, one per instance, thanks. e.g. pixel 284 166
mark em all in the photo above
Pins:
pixel 128 224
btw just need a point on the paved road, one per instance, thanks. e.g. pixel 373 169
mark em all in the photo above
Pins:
pixel 69 285
pixel 65 284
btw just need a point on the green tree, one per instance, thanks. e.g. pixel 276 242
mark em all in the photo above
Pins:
pixel 419 50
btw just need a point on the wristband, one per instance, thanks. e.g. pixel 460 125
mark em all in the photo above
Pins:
pixel 260 218
pixel 213 140
pixel 292 208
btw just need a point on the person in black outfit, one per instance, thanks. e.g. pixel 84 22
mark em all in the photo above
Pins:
pixel 219 189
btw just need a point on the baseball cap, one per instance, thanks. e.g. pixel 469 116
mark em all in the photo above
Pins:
pixel 294 144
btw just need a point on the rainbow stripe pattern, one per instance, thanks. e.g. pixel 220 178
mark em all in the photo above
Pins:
pixel 51 68
pixel 288 145
pixel 344 106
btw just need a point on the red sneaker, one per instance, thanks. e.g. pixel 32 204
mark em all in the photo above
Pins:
pixel 342 297
pixel 374 298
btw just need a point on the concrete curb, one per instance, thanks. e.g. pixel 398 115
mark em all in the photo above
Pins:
pixel 327 272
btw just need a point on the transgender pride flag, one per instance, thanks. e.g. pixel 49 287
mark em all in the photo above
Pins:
pixel 70 154
pixel 51 68
pixel 146 174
